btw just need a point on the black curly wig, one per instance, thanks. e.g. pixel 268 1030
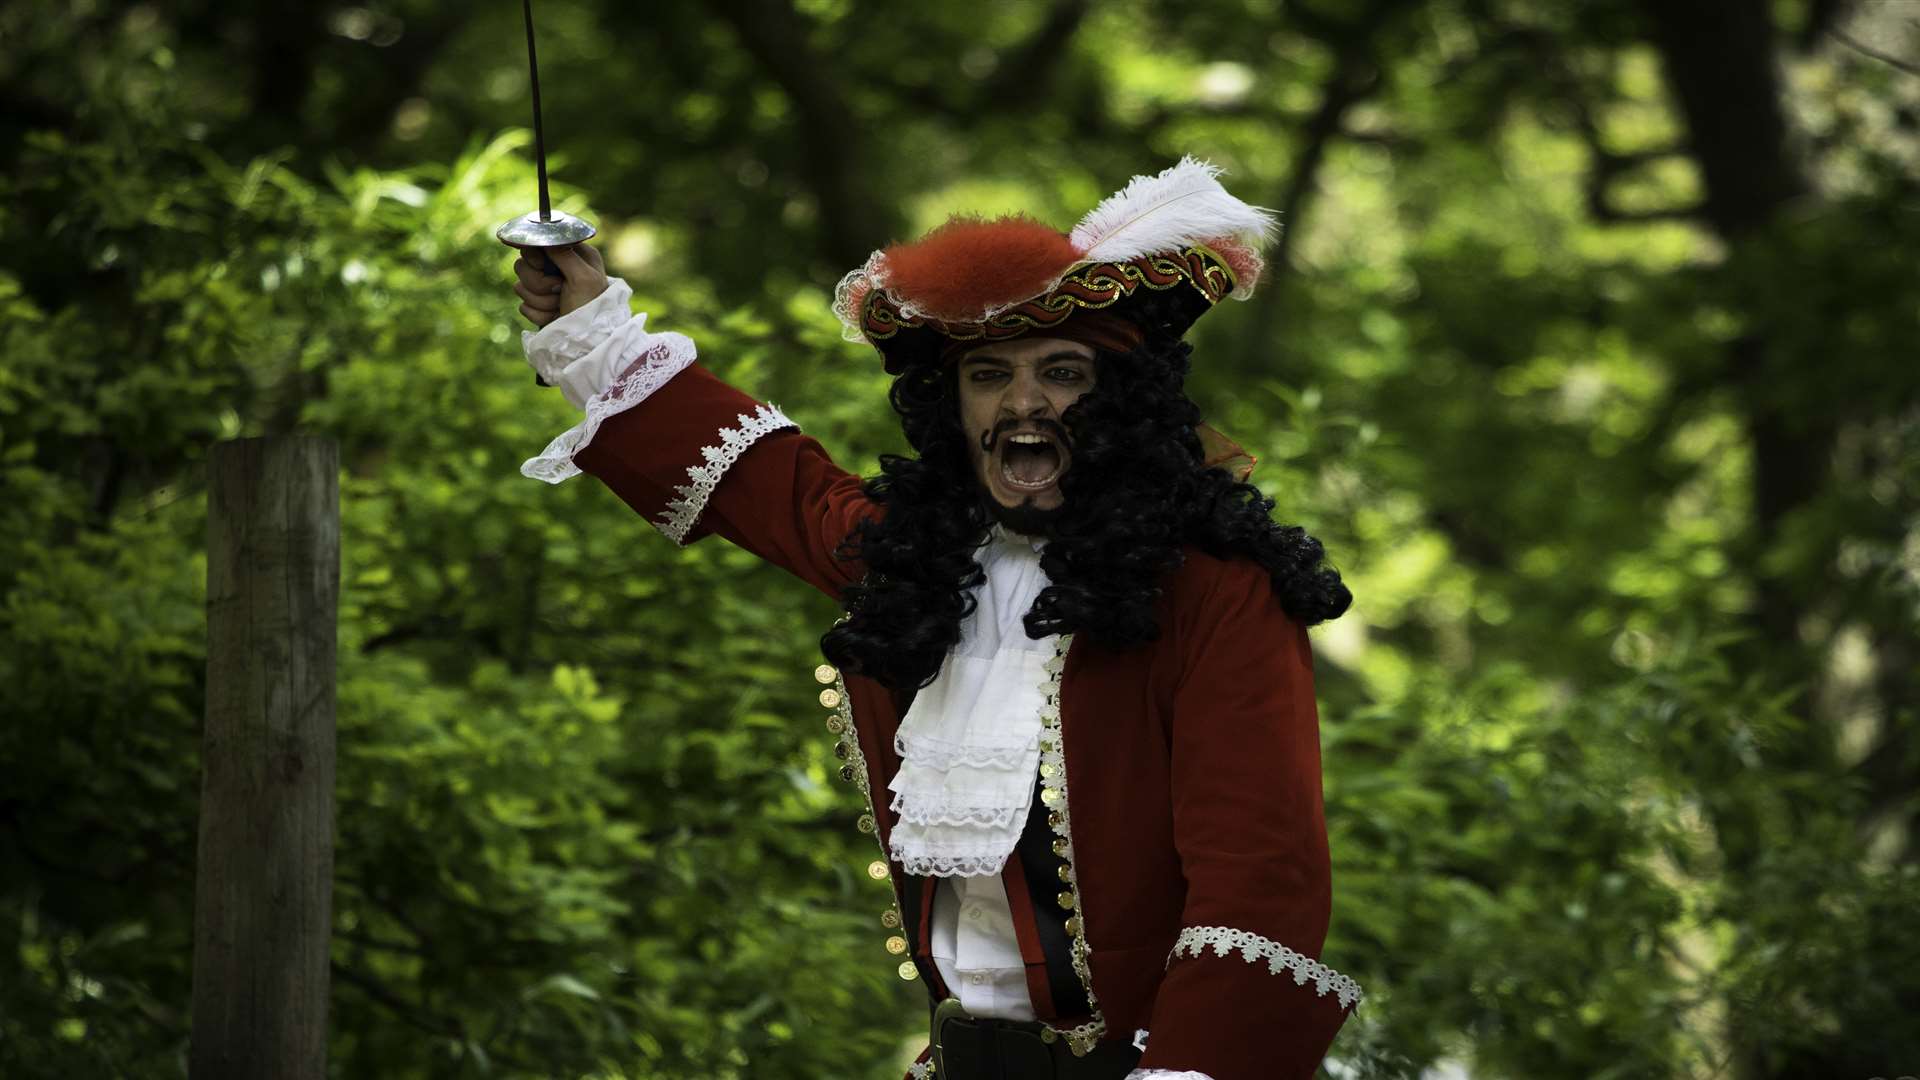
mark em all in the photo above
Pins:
pixel 1135 493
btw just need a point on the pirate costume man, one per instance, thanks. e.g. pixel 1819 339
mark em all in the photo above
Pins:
pixel 1106 863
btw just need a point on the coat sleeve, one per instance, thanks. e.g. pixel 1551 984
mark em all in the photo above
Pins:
pixel 1245 995
pixel 689 453
pixel 695 456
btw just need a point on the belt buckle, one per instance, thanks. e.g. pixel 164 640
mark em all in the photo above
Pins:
pixel 948 1009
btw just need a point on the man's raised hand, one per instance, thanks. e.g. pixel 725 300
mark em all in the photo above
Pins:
pixel 544 297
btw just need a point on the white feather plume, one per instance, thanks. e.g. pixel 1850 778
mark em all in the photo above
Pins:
pixel 1182 205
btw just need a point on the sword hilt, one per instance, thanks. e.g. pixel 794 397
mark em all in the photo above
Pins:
pixel 548 268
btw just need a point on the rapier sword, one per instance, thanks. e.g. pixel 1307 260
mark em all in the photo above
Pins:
pixel 546 227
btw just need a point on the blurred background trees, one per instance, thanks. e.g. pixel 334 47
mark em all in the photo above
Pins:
pixel 1589 351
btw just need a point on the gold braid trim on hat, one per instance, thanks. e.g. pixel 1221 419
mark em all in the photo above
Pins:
pixel 1088 287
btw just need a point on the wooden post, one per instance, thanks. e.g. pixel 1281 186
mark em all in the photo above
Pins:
pixel 264 895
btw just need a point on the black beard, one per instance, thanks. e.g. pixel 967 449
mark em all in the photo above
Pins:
pixel 1025 518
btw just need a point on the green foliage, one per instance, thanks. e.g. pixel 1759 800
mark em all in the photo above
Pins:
pixel 562 845
pixel 1618 736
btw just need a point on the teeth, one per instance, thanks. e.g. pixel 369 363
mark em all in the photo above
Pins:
pixel 1032 440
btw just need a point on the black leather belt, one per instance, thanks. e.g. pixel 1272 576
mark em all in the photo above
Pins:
pixel 976 1048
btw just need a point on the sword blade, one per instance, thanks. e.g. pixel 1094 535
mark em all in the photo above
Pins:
pixel 539 137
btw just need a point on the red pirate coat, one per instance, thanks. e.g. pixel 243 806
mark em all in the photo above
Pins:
pixel 1185 797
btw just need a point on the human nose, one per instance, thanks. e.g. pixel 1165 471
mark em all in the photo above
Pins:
pixel 1025 396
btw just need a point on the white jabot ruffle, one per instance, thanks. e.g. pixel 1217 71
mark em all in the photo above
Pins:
pixel 970 744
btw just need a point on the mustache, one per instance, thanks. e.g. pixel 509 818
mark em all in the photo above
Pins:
pixel 990 437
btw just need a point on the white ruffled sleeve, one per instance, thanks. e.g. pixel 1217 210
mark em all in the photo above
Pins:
pixel 555 347
pixel 604 361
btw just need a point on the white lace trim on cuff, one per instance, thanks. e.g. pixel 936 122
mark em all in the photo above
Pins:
pixel 657 358
pixel 577 333
pixel 1167 1074
pixel 1195 940
pixel 920 1070
pixel 678 518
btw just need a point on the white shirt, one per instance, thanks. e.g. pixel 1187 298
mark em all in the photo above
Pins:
pixel 987 696
pixel 977 722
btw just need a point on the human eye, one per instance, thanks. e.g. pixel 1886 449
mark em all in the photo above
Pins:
pixel 1066 374
pixel 983 374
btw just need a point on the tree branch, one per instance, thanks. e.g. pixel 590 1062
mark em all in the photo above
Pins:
pixel 1353 78
pixel 832 143
pixel 1718 61
pixel 1355 75
pixel 1608 165
pixel 1868 51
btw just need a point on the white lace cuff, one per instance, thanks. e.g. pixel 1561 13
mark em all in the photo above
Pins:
pixel 655 358
pixel 555 347
pixel 1167 1074
pixel 1195 940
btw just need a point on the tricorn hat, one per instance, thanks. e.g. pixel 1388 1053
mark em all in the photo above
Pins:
pixel 1157 254
pixel 1179 234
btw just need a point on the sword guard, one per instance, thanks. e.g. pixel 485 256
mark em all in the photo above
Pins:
pixel 560 229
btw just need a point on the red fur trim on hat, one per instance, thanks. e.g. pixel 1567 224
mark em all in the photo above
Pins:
pixel 959 270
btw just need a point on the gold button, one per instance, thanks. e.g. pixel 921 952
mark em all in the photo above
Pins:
pixel 846 773
pixel 890 919
pixel 830 698
pixel 1073 925
pixel 1079 1049
pixel 1054 820
pixel 908 971
pixel 824 673
pixel 1065 872
pixel 1060 846
pixel 896 945
pixel 840 750
pixel 1066 899
pixel 1049 1036
pixel 877 870
pixel 865 824
pixel 1047 770
pixel 836 725
pixel 1051 796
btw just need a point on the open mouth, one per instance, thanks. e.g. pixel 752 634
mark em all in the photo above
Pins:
pixel 1030 461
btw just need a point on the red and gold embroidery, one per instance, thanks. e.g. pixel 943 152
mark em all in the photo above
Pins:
pixel 1089 287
